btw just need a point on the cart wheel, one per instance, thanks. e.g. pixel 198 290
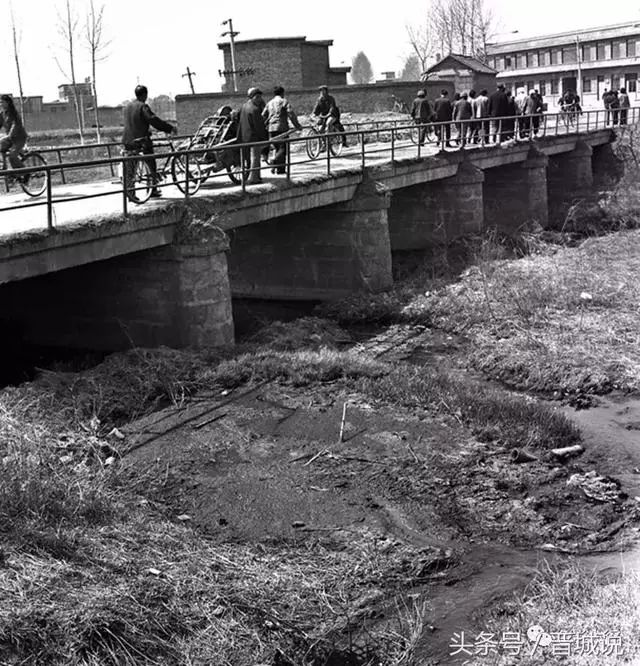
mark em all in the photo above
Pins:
pixel 138 179
pixel 234 171
pixel 186 183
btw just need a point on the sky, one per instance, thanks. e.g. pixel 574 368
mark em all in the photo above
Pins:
pixel 153 43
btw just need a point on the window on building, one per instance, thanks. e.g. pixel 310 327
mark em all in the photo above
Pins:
pixel 507 62
pixel 492 63
pixel 586 85
pixel 521 60
pixel 615 82
pixel 588 52
pixel 632 83
pixel 554 86
pixel 569 55
pixel 615 50
pixel 533 59
pixel 517 85
pixel 557 57
pixel 604 51
pixel 631 48
pixel 543 88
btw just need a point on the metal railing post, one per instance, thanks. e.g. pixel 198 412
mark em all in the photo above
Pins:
pixel 243 168
pixel 557 120
pixel 62 176
pixel 49 201
pixel 393 143
pixel 288 158
pixel 186 176
pixel 327 141
pixel 362 151
pixel 110 163
pixel 124 186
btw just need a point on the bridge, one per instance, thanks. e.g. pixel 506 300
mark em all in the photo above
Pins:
pixel 109 275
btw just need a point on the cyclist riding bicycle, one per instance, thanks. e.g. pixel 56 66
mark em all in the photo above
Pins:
pixel 14 142
pixel 328 113
pixel 570 102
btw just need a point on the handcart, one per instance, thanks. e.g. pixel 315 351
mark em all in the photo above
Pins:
pixel 214 140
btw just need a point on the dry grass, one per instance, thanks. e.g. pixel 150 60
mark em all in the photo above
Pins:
pixel 565 321
pixel 578 601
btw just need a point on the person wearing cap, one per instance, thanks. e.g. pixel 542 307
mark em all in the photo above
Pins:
pixel 498 108
pixel 462 112
pixel 277 114
pixel 421 114
pixel 251 129
pixel 328 113
pixel 443 113
pixel 138 118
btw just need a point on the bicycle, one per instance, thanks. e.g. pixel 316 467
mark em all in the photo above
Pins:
pixel 569 114
pixel 32 184
pixel 139 181
pixel 429 133
pixel 398 106
pixel 317 138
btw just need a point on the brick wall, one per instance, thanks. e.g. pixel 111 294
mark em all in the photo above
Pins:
pixel 64 117
pixel 273 61
pixel 192 109
pixel 315 66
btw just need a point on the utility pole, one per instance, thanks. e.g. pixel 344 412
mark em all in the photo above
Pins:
pixel 232 36
pixel 190 74
pixel 579 63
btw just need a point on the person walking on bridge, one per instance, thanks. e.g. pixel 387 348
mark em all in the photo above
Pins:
pixel 443 114
pixel 277 114
pixel 138 118
pixel 421 114
pixel 498 108
pixel 251 129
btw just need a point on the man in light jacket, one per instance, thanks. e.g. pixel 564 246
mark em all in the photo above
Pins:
pixel 277 115
pixel 480 107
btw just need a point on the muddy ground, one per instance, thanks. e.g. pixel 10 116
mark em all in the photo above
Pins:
pixel 458 524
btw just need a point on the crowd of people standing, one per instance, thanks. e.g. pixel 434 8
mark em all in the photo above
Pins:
pixel 479 117
pixel 617 105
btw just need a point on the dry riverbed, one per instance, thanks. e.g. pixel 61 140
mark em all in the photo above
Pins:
pixel 324 495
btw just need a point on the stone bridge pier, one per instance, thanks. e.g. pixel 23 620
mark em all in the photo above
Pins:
pixel 176 295
pixel 319 254
pixel 515 195
pixel 438 212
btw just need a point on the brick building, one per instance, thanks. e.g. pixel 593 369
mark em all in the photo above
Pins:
pixel 292 62
pixel 585 61
pixel 465 72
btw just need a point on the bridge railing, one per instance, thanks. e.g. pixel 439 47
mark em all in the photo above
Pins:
pixel 397 139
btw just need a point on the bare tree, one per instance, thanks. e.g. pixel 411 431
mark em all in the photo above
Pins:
pixel 67 31
pixel 421 41
pixel 453 26
pixel 97 47
pixel 16 55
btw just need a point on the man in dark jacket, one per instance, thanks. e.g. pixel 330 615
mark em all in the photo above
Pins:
pixel 421 114
pixel 138 118
pixel 251 128
pixel 328 112
pixel 498 108
pixel 462 111
pixel 443 114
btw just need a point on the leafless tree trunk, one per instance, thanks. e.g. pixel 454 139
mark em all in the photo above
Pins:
pixel 421 43
pixel 97 47
pixel 16 55
pixel 67 29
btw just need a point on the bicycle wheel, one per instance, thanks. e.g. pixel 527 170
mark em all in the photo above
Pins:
pixel 335 144
pixel 313 144
pixel 35 183
pixel 138 180
pixel 234 171
pixel 187 183
pixel 414 135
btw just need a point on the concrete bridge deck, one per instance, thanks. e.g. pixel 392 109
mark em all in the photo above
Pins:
pixel 166 273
